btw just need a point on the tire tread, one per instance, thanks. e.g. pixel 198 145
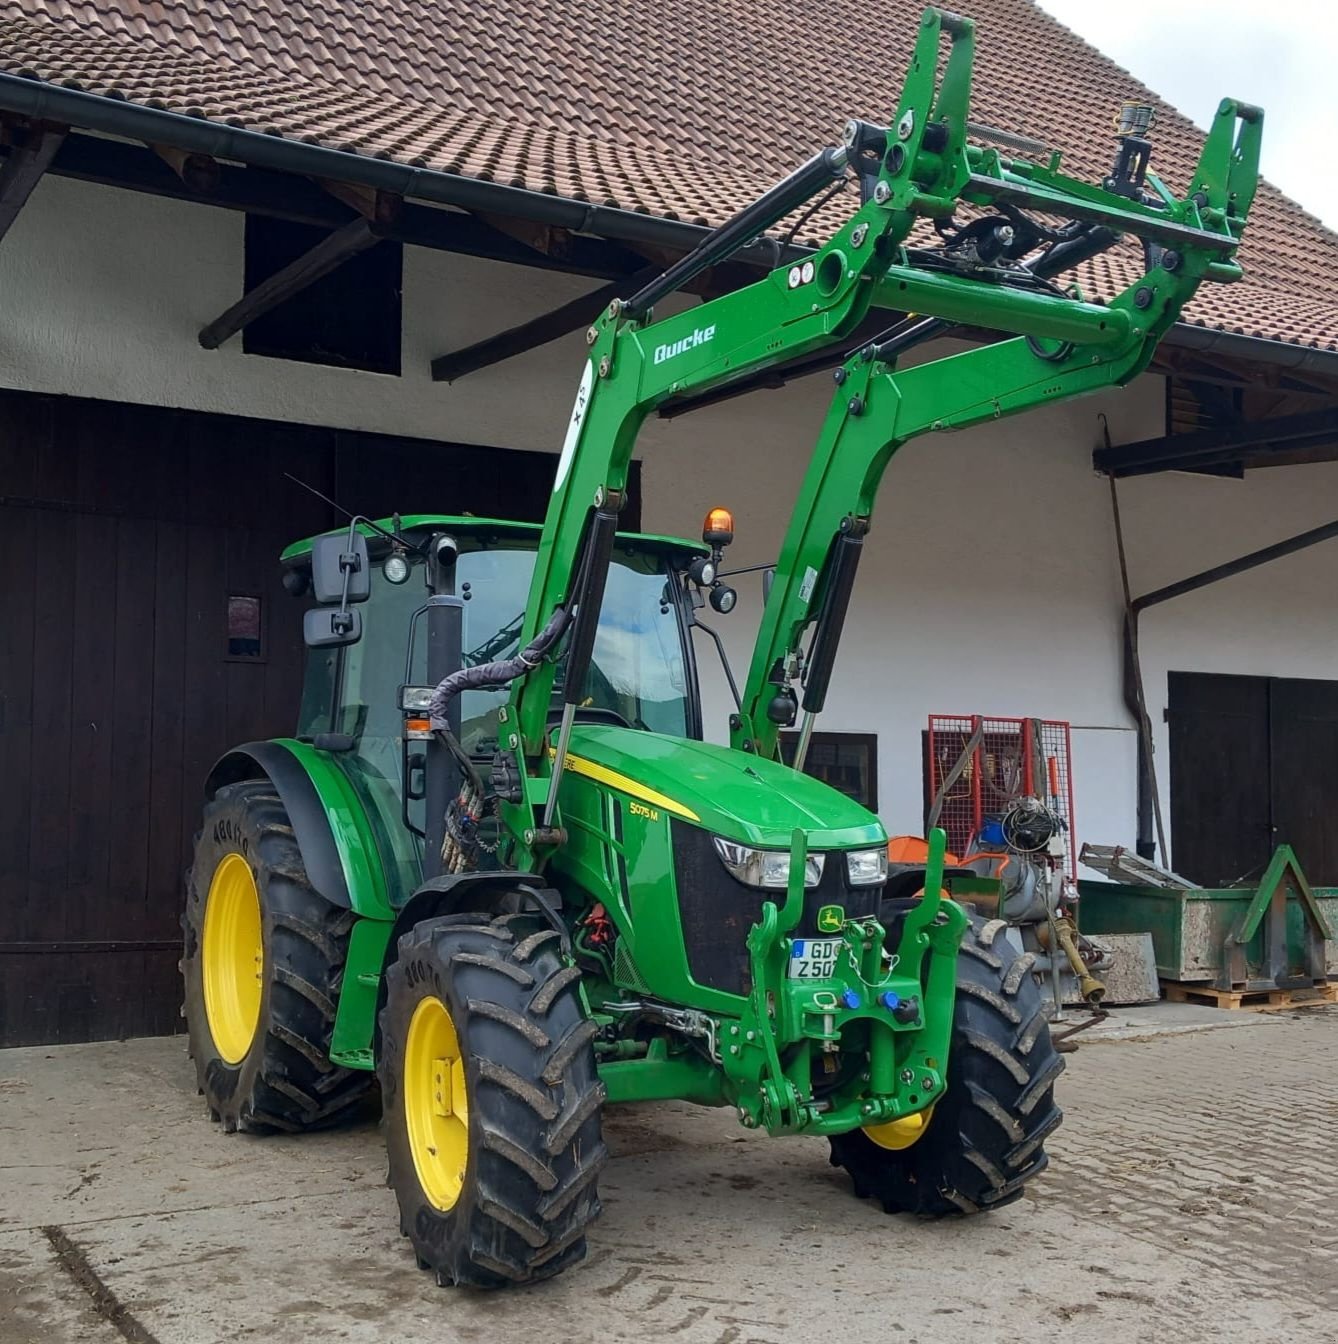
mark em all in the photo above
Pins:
pixel 986 1138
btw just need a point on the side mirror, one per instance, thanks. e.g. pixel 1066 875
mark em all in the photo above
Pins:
pixel 324 627
pixel 333 559
pixel 768 579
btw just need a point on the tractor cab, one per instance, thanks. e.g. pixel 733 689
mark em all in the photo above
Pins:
pixel 364 697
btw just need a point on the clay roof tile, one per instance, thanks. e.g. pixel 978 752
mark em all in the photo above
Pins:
pixel 674 109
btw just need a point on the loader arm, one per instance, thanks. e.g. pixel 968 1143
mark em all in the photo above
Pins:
pixel 877 408
pixel 921 167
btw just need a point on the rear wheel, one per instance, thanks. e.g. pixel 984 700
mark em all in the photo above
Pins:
pixel 984 1139
pixel 491 1100
pixel 263 961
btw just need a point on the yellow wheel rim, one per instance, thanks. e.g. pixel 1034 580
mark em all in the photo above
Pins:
pixel 898 1134
pixel 436 1105
pixel 232 954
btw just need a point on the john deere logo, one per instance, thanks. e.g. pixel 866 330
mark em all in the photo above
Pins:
pixel 830 919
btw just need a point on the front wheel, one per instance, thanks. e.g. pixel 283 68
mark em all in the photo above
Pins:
pixel 491 1100
pixel 985 1137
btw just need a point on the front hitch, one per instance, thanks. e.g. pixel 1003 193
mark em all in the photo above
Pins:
pixel 895 1009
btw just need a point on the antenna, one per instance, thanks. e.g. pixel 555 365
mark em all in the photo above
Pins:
pixel 358 517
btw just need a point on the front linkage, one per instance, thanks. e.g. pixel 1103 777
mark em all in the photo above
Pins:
pixel 907 1018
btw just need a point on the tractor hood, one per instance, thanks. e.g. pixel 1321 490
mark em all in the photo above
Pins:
pixel 741 797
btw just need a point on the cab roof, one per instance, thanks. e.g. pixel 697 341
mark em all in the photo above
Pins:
pixel 468 525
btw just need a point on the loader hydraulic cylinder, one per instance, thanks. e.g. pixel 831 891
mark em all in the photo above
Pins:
pixel 445 619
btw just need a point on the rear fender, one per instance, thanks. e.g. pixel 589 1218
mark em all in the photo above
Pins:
pixel 329 823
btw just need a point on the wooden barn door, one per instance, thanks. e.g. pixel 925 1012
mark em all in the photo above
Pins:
pixel 143 630
pixel 1254 764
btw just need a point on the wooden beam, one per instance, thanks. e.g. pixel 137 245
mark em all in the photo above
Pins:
pixel 569 317
pixel 1231 443
pixel 378 206
pixel 355 236
pixel 198 172
pixel 547 239
pixel 262 191
pixel 24 167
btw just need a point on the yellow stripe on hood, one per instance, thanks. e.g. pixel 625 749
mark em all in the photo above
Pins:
pixel 601 774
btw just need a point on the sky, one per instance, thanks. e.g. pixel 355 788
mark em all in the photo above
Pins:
pixel 1281 56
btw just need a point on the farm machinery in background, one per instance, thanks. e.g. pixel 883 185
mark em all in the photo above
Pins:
pixel 1002 790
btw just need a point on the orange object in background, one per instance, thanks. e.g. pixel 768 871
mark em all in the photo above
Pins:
pixel 914 849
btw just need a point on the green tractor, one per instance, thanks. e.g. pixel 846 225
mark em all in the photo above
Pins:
pixel 500 869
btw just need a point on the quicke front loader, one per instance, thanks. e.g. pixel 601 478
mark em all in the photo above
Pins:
pixel 499 870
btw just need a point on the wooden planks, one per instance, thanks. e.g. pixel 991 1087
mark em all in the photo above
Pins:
pixel 123 531
pixel 1254 1001
pixel 1254 764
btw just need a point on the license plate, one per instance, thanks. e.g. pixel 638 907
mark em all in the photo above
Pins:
pixel 815 958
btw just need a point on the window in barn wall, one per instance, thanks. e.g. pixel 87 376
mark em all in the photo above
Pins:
pixel 349 318
pixel 246 641
pixel 846 761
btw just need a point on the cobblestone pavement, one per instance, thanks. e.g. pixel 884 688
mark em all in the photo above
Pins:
pixel 1191 1198
pixel 1219 1146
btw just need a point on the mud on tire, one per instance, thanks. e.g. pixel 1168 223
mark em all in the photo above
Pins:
pixel 987 1134
pixel 286 1081
pixel 534 1100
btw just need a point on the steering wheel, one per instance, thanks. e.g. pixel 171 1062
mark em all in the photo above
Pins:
pixel 590 714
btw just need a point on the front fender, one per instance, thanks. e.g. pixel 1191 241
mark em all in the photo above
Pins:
pixel 329 823
pixel 459 893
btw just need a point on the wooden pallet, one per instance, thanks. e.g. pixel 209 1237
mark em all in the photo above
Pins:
pixel 1253 1001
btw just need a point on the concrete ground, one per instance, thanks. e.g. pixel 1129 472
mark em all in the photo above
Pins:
pixel 1191 1196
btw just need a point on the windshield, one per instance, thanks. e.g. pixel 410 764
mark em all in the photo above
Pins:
pixel 637 671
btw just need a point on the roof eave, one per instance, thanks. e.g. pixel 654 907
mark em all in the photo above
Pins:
pixel 1253 349
pixel 119 117
pixel 150 125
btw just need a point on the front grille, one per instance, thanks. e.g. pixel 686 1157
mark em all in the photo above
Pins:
pixel 718 911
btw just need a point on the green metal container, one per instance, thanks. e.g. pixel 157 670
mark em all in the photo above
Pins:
pixel 1258 937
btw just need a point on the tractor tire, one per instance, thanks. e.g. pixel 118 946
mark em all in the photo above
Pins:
pixel 490 1100
pixel 984 1138
pixel 262 972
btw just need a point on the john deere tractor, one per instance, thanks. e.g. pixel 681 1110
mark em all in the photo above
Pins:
pixel 499 867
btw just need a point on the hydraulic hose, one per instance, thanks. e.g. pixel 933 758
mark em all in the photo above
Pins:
pixel 498 673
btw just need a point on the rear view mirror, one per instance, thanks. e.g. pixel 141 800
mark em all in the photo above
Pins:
pixel 334 558
pixel 324 628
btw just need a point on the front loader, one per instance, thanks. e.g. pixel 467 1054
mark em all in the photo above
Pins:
pixel 499 866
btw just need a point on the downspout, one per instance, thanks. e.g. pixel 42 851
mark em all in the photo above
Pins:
pixel 1148 797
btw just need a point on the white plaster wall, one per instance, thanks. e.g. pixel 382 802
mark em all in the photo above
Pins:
pixel 989 582
pixel 104 293
pixel 1278 620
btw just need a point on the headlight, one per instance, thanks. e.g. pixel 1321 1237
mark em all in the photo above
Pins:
pixel 866 867
pixel 765 867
